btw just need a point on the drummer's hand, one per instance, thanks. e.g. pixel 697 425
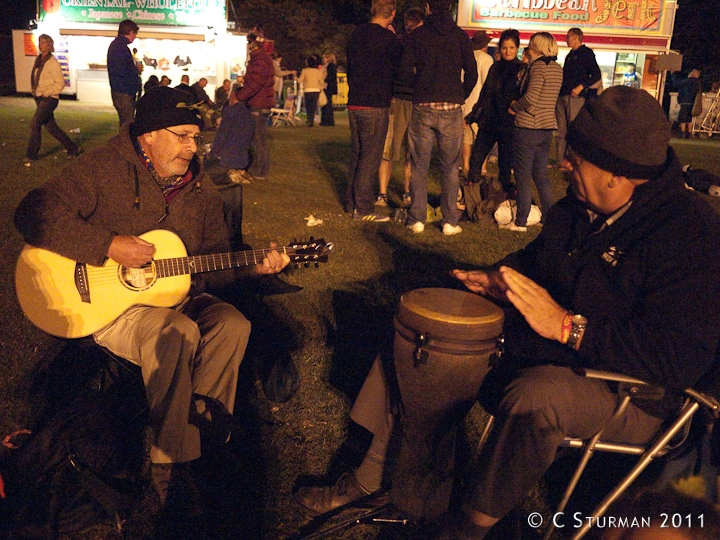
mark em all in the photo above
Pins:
pixel 542 313
pixel 273 262
pixel 485 283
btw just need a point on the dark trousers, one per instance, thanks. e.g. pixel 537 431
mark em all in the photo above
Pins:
pixel 125 106
pixel 261 150
pixel 535 409
pixel 484 141
pixel 311 101
pixel 44 116
pixel 326 114
pixel 368 128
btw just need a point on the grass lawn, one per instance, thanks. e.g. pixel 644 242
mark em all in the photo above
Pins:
pixel 332 328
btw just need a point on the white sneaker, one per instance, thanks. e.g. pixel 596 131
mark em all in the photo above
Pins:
pixel 449 230
pixel 417 227
pixel 512 227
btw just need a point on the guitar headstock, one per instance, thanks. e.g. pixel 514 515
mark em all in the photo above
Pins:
pixel 311 252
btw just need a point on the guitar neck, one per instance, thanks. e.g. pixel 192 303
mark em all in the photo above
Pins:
pixel 198 264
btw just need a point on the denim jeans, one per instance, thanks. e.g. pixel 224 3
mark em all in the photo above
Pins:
pixel 44 117
pixel 260 166
pixel 428 125
pixel 125 106
pixel 530 160
pixel 368 128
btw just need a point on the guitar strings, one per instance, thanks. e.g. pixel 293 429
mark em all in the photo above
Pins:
pixel 100 275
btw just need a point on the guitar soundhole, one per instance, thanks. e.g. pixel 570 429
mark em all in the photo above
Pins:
pixel 137 279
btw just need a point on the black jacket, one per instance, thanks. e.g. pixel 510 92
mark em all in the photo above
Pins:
pixel 433 61
pixel 649 285
pixel 500 89
pixel 580 67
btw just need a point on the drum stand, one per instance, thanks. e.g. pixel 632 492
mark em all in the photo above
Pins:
pixel 374 509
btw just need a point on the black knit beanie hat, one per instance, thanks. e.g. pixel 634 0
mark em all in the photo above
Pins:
pixel 624 131
pixel 164 107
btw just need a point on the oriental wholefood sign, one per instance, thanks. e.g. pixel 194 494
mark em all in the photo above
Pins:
pixel 605 16
pixel 160 12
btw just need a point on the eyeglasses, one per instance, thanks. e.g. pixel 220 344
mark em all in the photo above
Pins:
pixel 184 138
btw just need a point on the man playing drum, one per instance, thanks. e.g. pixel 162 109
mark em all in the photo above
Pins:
pixel 623 277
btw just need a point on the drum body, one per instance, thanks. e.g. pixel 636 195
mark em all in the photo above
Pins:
pixel 444 341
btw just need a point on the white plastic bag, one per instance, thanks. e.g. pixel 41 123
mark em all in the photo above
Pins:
pixel 507 210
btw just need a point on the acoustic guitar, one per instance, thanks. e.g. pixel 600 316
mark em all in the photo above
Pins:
pixel 70 299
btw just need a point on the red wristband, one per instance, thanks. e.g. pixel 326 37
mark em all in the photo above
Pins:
pixel 566 328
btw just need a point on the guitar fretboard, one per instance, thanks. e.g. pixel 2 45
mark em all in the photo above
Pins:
pixel 178 266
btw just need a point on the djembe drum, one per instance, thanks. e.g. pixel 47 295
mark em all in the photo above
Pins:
pixel 444 341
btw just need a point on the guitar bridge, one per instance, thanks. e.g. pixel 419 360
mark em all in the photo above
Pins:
pixel 81 282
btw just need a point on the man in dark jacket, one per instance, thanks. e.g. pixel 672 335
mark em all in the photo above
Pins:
pixel 148 177
pixel 373 53
pixel 623 278
pixel 123 75
pixel 581 78
pixel 438 62
pixel 258 92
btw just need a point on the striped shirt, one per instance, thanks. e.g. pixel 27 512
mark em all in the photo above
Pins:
pixel 540 88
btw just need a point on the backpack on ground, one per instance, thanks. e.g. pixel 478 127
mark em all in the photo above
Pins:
pixel 80 469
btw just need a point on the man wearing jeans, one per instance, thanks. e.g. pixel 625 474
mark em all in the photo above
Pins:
pixel 123 75
pixel 373 53
pixel 435 57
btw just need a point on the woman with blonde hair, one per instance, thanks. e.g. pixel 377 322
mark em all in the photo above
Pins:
pixel 535 121
pixel 46 83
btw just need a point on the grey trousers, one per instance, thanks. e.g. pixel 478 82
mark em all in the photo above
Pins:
pixel 196 348
pixel 566 110
pixel 534 411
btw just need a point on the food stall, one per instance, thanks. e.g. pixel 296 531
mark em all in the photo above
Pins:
pixel 176 37
pixel 624 34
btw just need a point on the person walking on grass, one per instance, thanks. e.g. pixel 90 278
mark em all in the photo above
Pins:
pixel 46 82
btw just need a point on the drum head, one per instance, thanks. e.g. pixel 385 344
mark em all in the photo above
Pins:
pixel 450 313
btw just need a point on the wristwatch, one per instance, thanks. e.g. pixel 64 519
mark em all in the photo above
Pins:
pixel 578 327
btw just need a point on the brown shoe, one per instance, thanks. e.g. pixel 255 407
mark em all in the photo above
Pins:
pixel 324 499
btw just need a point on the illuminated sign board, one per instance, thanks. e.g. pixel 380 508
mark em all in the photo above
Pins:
pixel 628 17
pixel 159 12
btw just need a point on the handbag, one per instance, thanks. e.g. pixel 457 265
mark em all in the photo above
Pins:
pixel 322 99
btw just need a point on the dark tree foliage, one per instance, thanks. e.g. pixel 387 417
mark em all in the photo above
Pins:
pixel 697 37
pixel 300 28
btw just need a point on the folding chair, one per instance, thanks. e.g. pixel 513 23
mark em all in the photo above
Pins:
pixel 666 439
pixel 286 115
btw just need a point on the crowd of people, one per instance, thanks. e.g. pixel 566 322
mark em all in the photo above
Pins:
pixel 622 262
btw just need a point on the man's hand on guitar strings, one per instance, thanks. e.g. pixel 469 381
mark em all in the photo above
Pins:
pixel 132 251
pixel 273 262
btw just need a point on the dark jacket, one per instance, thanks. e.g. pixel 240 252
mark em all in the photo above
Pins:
pixel 580 67
pixel 258 90
pixel 234 137
pixel 373 54
pixel 331 80
pixel 78 212
pixel 500 89
pixel 688 89
pixel 121 68
pixel 648 285
pixel 433 61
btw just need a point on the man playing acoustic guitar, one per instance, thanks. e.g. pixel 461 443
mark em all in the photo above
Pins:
pixel 148 177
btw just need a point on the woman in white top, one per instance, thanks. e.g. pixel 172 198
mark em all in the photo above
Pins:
pixel 46 82
pixel 312 80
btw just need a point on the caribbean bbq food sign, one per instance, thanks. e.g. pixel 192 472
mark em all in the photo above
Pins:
pixel 161 12
pixel 603 16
